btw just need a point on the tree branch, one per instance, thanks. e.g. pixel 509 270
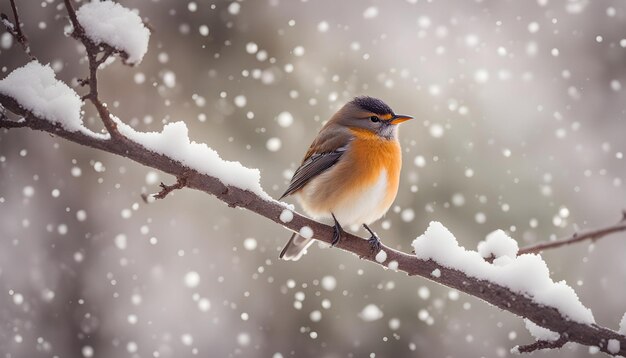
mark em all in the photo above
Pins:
pixel 6 123
pixel 16 29
pixel 93 50
pixel 499 296
pixel 577 237
pixel 538 345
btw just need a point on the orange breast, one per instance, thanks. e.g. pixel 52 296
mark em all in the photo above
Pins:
pixel 370 154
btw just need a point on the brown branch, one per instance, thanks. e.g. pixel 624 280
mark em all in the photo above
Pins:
pixel 16 30
pixel 8 124
pixel 18 24
pixel 78 29
pixel 538 345
pixel 93 51
pixel 499 296
pixel 105 55
pixel 577 237
pixel 591 235
pixel 181 182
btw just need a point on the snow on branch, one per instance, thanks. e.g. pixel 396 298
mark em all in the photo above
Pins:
pixel 527 274
pixel 36 88
pixel 173 141
pixel 106 22
pixel 516 282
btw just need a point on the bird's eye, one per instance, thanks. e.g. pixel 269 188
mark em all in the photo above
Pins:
pixel 374 119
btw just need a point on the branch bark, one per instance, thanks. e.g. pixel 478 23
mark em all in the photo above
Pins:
pixel 499 296
pixel 539 345
pixel 576 237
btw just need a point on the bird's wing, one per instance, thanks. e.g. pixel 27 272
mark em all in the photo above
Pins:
pixel 312 167
pixel 325 152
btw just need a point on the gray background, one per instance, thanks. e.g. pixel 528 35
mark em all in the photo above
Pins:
pixel 543 136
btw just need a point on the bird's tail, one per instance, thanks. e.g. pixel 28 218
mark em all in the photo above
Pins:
pixel 295 248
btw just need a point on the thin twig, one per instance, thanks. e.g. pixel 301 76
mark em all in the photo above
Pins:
pixel 78 29
pixel 8 124
pixel 16 30
pixel 16 16
pixel 538 345
pixel 105 55
pixel 577 237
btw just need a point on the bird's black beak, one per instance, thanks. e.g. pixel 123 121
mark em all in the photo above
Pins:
pixel 399 118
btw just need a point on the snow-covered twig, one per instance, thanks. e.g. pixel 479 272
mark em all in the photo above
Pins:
pixel 577 237
pixel 93 51
pixel 16 29
pixel 97 54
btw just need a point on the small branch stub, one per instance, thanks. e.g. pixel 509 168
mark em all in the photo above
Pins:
pixel 181 182
pixel 538 345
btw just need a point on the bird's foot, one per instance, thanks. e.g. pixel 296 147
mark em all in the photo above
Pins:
pixel 374 241
pixel 337 232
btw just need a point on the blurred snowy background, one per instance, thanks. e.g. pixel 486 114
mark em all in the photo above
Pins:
pixel 520 111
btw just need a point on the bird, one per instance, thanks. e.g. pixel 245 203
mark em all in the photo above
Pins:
pixel 350 172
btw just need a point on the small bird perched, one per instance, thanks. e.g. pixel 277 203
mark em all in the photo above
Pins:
pixel 351 171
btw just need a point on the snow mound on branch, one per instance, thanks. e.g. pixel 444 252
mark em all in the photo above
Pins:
pixel 174 142
pixel 111 23
pixel 35 87
pixel 526 274
pixel 498 244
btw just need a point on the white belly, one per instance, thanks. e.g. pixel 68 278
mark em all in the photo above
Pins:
pixel 363 207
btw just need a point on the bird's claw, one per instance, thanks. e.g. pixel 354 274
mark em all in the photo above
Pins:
pixel 337 232
pixel 336 238
pixel 374 241
pixel 375 244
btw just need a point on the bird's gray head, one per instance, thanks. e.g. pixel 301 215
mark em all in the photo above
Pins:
pixel 371 116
